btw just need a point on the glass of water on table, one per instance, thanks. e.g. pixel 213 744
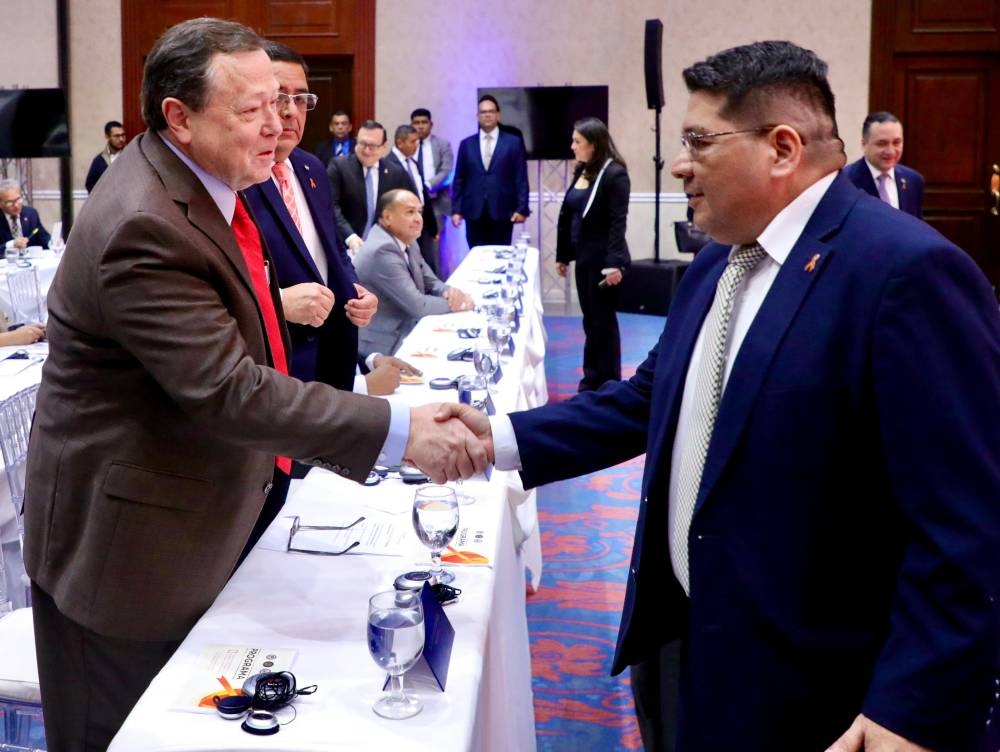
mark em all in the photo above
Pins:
pixel 396 641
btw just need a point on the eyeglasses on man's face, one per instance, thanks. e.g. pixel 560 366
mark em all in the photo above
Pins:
pixel 303 102
pixel 695 142
pixel 12 202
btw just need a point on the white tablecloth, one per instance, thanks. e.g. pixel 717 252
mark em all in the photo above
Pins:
pixel 318 605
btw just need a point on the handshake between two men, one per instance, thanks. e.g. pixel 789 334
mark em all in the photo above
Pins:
pixel 449 441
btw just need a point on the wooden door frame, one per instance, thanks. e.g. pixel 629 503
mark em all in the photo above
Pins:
pixel 361 48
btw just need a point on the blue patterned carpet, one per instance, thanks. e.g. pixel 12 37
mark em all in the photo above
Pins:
pixel 587 525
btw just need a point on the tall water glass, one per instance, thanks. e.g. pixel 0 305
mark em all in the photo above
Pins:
pixel 395 641
pixel 435 521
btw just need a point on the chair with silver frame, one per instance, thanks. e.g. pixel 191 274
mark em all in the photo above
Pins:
pixel 21 724
pixel 25 295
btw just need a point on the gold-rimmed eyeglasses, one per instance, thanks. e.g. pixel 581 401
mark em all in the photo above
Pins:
pixel 695 142
pixel 296 527
pixel 303 102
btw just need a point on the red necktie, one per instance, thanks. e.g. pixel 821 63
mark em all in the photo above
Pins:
pixel 283 174
pixel 248 239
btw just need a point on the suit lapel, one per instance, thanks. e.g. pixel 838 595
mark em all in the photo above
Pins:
pixel 802 270
pixel 413 254
pixel 202 212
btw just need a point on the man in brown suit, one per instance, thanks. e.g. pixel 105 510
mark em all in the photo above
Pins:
pixel 162 403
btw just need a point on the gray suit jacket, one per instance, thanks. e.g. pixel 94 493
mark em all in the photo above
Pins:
pixel 437 184
pixel 159 413
pixel 406 292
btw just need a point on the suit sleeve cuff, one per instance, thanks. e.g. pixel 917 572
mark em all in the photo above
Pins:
pixel 399 432
pixel 505 453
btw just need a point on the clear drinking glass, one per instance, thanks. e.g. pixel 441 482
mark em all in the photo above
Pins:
pixel 498 333
pixel 435 520
pixel 486 359
pixel 395 641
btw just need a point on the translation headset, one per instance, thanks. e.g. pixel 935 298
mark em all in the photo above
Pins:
pixel 263 695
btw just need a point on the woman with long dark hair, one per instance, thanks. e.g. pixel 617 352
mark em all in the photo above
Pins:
pixel 592 233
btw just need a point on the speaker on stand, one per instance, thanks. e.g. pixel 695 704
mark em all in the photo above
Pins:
pixel 649 285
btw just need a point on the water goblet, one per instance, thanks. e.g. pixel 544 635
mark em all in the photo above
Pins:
pixel 435 521
pixel 486 359
pixel 498 333
pixel 395 641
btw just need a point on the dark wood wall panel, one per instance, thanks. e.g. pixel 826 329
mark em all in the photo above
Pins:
pixel 949 146
pixel 939 25
pixel 335 35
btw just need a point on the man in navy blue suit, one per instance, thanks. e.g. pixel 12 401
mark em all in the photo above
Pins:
pixel 818 528
pixel 490 189
pixel 340 143
pixel 21 225
pixel 879 172
pixel 321 299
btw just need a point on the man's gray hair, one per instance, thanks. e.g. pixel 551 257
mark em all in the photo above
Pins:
pixel 9 184
pixel 180 63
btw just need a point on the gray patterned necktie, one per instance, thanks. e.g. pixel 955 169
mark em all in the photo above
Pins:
pixel 15 228
pixel 707 395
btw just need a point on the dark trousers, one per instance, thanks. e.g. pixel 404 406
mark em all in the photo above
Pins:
pixel 89 682
pixel 655 686
pixel 488 231
pixel 272 505
pixel 430 250
pixel 602 347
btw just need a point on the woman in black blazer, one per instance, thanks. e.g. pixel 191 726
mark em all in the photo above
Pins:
pixel 592 233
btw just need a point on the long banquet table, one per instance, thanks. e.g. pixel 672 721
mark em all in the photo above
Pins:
pixel 317 606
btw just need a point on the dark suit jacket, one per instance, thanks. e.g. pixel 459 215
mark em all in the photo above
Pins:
pixel 327 353
pixel 159 413
pixel 844 546
pixel 602 228
pixel 324 152
pixel 347 186
pixel 497 192
pixel 31 228
pixel 97 168
pixel 405 292
pixel 909 185
pixel 429 215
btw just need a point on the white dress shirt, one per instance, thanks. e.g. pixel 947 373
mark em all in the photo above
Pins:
pixel 410 165
pixel 495 135
pixel 428 160
pixel 309 234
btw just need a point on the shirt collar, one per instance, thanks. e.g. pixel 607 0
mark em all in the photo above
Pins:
pixel 784 230
pixel 493 133
pixel 223 196
pixel 875 171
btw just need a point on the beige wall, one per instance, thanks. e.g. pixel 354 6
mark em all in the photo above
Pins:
pixel 530 43
pixel 435 55
pixel 95 82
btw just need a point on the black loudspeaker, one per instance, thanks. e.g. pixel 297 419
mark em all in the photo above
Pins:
pixel 648 286
pixel 654 64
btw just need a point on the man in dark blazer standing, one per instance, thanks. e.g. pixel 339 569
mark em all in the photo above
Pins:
pixel 320 295
pixel 404 153
pixel 490 189
pixel 818 525
pixel 164 409
pixel 879 172
pixel 359 179
pixel 340 143
pixel 21 225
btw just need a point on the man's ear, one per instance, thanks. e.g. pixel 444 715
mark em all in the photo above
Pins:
pixel 177 115
pixel 788 149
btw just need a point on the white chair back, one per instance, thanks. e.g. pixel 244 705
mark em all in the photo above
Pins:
pixel 25 295
pixel 16 413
